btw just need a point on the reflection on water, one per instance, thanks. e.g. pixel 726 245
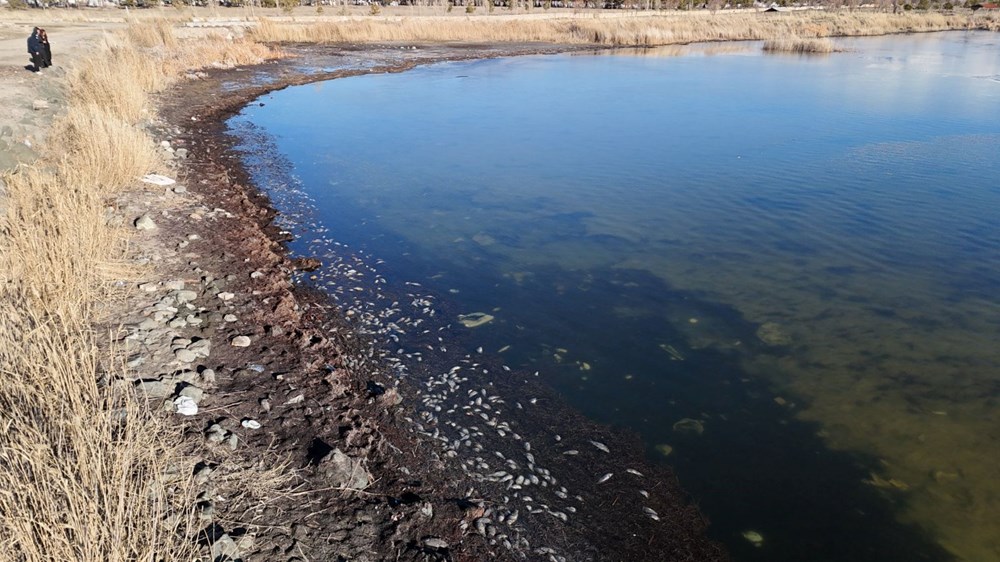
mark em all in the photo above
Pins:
pixel 796 255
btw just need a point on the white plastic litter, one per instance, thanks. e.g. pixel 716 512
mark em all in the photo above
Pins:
pixel 186 406
pixel 157 179
pixel 250 424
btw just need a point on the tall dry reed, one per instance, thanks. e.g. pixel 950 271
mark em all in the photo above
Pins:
pixel 799 45
pixel 89 474
pixel 612 31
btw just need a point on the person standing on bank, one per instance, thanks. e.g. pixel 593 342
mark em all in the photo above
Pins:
pixel 43 37
pixel 35 50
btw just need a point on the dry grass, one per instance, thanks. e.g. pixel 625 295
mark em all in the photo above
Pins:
pixel 83 464
pixel 799 45
pixel 121 80
pixel 89 474
pixel 611 31
pixel 84 467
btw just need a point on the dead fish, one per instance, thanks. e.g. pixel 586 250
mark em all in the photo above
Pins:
pixel 635 472
pixel 605 478
pixel 644 493
pixel 651 514
pixel 559 515
pixel 571 452
pixel 600 446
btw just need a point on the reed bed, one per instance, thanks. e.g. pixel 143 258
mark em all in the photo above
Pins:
pixel 85 467
pixel 799 45
pixel 90 474
pixel 607 31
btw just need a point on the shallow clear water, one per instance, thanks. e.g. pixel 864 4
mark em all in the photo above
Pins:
pixel 801 253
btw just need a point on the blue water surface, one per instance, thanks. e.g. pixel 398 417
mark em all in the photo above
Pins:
pixel 800 252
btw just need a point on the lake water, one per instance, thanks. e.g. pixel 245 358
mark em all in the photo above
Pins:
pixel 799 253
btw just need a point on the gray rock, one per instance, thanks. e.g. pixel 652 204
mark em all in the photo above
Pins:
pixel 185 355
pixel 224 548
pixel 187 377
pixel 161 316
pixel 177 323
pixel 208 377
pixel 201 347
pixel 144 223
pixel 240 341
pixel 181 153
pixel 156 388
pixel 215 434
pixel 230 318
pixel 233 441
pixel 435 542
pixel 186 296
pixel 175 285
pixel 192 392
pixel 179 343
pixel 343 471
pixel 202 475
pixel 39 105
pixel 245 543
pixel 167 302
pixel 148 287
pixel 206 513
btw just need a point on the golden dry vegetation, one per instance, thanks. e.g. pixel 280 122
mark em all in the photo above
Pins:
pixel 598 29
pixel 799 45
pixel 89 473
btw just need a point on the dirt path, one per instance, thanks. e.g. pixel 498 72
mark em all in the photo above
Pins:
pixel 30 101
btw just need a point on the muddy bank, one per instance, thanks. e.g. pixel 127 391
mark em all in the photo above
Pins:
pixel 447 463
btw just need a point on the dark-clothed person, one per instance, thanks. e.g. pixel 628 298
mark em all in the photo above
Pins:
pixel 43 38
pixel 35 50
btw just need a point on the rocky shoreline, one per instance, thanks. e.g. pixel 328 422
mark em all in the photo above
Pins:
pixel 270 376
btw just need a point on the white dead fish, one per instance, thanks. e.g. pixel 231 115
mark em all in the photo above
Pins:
pixel 600 446
pixel 605 478
pixel 634 472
